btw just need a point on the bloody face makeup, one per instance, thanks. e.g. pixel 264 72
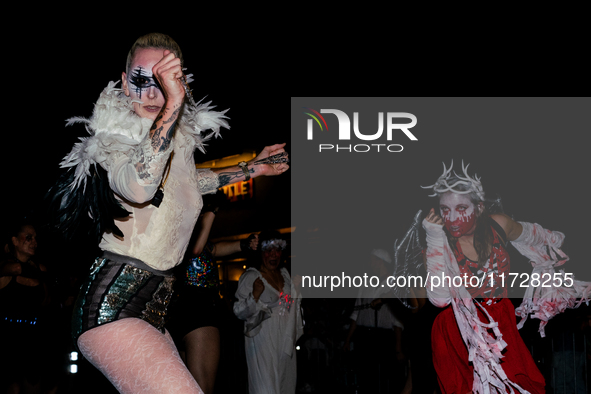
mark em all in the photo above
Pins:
pixel 458 213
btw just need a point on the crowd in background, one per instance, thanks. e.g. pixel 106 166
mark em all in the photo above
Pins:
pixel 38 289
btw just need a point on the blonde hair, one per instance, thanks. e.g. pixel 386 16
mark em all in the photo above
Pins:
pixel 154 40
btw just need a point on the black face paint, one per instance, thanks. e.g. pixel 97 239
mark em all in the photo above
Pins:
pixel 142 81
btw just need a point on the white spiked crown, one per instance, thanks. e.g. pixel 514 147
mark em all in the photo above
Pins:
pixel 441 186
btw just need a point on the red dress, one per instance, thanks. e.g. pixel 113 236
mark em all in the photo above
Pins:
pixel 450 355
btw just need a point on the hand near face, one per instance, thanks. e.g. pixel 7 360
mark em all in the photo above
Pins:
pixel 434 218
pixel 271 169
pixel 168 72
pixel 257 288
pixel 253 241
pixel 152 82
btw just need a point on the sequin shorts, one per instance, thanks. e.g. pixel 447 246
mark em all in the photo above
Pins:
pixel 119 287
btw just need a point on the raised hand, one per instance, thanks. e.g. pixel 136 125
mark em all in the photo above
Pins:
pixel 168 73
pixel 253 241
pixel 250 243
pixel 434 218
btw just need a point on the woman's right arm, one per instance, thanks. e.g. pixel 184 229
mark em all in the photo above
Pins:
pixel 246 305
pixel 225 248
pixel 249 308
pixel 248 296
pixel 203 228
pixel 138 177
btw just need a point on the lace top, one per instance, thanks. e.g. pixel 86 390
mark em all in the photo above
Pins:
pixel 157 236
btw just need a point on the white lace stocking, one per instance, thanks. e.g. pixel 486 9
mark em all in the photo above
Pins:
pixel 137 358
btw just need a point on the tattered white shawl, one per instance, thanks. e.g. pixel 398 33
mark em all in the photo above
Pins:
pixel 541 246
pixel 542 302
pixel 115 128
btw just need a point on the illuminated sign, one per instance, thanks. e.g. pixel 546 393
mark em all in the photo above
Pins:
pixel 239 191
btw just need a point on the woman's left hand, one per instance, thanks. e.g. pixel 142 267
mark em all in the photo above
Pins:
pixel 434 218
pixel 271 169
pixel 168 72
pixel 253 241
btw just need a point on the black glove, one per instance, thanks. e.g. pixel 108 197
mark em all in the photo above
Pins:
pixel 245 243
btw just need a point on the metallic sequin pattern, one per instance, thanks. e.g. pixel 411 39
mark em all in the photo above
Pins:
pixel 155 311
pixel 202 271
pixel 123 288
pixel 99 262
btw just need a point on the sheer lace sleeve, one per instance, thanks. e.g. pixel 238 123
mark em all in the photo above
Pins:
pixel 136 176
pixel 246 308
pixel 207 181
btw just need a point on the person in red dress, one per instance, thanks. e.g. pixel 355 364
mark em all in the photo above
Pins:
pixel 466 234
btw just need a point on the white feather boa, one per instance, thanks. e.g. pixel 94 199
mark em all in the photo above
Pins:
pixel 115 128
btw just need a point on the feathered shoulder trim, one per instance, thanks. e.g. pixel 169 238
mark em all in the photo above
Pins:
pixel 194 120
pixel 83 191
pixel 115 128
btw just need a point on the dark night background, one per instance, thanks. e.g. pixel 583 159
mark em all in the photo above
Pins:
pixel 61 66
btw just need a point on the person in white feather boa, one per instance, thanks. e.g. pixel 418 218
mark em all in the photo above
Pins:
pixel 144 135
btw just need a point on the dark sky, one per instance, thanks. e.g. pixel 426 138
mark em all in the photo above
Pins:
pixel 63 73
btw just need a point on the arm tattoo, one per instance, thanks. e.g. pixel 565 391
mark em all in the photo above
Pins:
pixel 161 142
pixel 165 141
pixel 227 178
pixel 156 121
pixel 156 138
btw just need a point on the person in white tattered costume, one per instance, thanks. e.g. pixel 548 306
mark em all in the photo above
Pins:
pixel 269 304
pixel 142 141
pixel 476 345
